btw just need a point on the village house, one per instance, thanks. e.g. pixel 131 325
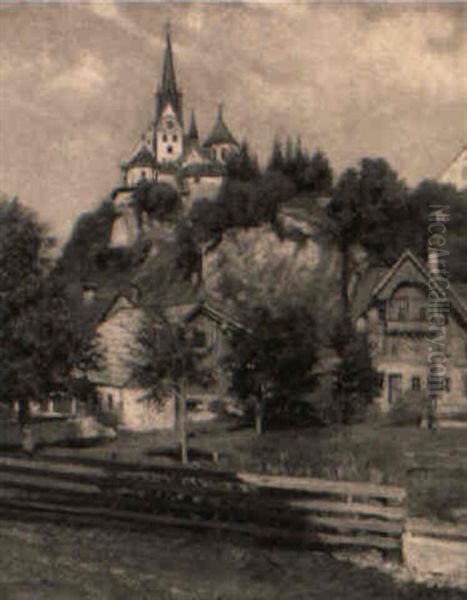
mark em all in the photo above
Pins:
pixel 125 403
pixel 391 306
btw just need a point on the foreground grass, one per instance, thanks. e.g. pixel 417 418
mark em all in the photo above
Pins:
pixel 358 453
pixel 49 562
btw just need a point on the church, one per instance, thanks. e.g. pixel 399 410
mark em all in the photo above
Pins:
pixel 171 153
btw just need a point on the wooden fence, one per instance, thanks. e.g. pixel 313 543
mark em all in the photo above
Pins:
pixel 308 512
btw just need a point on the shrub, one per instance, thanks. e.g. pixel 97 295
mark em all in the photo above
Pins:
pixel 408 410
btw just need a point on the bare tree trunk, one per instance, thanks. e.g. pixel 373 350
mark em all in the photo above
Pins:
pixel 345 275
pixel 183 424
pixel 259 415
pixel 24 411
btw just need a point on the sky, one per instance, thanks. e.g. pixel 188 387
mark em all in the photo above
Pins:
pixel 77 85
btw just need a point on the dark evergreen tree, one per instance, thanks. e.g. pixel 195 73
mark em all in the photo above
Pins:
pixel 276 160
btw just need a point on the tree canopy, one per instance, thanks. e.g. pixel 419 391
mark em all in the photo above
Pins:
pixel 42 350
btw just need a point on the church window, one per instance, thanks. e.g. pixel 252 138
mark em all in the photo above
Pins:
pixel 224 153
pixel 164 137
pixel 169 149
pixel 174 137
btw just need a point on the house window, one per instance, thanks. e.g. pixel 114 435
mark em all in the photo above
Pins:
pixel 447 384
pixel 422 313
pixel 416 384
pixel 110 401
pixel 398 309
pixel 199 338
pixel 394 387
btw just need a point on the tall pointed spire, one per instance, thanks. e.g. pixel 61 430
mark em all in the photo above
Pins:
pixel 168 93
pixel 193 129
pixel 169 83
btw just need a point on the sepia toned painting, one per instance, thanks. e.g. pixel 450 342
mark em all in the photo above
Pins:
pixel 233 301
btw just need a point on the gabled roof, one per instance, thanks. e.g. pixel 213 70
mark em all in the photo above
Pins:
pixel 142 157
pixel 377 284
pixel 406 256
pixel 220 133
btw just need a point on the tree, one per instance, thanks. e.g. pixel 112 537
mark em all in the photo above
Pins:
pixel 315 175
pixel 367 208
pixel 276 160
pixel 343 225
pixel 271 361
pixel 242 166
pixel 167 356
pixel 356 381
pixel 159 200
pixel 42 348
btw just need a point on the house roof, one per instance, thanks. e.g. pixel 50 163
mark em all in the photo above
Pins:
pixel 119 325
pixel 220 133
pixel 376 280
pixel 363 290
pixel 143 157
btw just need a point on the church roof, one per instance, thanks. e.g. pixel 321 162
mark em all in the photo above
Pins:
pixel 142 157
pixel 193 129
pixel 168 93
pixel 211 169
pixel 220 133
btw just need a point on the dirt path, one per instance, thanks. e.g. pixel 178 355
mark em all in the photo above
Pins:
pixel 48 562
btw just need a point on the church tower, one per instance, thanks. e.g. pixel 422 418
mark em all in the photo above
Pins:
pixel 168 124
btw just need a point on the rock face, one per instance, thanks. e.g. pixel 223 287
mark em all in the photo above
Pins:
pixel 256 262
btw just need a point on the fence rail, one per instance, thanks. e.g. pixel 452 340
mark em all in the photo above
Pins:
pixel 307 511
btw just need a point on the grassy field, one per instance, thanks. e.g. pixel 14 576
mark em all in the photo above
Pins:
pixel 359 453
pixel 48 562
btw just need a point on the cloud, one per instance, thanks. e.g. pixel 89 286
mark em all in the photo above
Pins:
pixel 113 13
pixel 87 76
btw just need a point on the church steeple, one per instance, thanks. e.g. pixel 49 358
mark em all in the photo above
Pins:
pixel 193 129
pixel 168 93
pixel 169 83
